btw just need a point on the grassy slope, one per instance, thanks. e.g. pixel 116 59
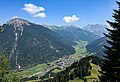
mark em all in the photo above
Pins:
pixel 56 71
pixel 93 76
pixel 80 52
pixel 31 71
pixel 76 80
pixel 94 73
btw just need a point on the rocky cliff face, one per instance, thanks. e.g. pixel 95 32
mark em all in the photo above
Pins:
pixel 73 33
pixel 97 29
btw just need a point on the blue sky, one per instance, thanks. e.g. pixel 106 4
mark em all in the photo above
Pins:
pixel 58 12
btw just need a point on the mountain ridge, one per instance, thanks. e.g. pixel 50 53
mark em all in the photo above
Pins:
pixel 73 33
pixel 27 44
pixel 97 47
pixel 97 29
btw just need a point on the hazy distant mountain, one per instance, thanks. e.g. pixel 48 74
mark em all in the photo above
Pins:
pixel 73 33
pixel 27 44
pixel 97 29
pixel 97 47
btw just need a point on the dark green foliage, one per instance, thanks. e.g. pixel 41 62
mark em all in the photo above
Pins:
pixel 111 64
pixel 76 70
pixel 73 34
pixel 37 44
pixel 5 75
pixel 97 47
pixel 85 80
pixel 1 29
pixel 3 67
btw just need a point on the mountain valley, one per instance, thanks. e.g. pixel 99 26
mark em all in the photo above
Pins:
pixel 27 44
pixel 35 50
pixel 60 41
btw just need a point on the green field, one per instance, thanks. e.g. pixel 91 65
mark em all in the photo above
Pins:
pixel 76 80
pixel 80 52
pixel 31 71
pixel 56 71
pixel 94 74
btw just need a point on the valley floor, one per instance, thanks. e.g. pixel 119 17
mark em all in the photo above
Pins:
pixel 61 63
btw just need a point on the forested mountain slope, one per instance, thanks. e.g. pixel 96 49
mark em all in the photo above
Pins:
pixel 27 44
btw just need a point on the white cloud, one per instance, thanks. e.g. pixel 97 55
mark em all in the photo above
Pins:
pixel 32 9
pixel 69 19
pixel 42 15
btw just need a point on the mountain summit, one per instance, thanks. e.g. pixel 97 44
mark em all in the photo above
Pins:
pixel 18 22
pixel 97 29
pixel 73 33
pixel 28 44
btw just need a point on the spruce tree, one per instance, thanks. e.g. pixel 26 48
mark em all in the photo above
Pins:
pixel 3 67
pixel 111 62
pixel 5 74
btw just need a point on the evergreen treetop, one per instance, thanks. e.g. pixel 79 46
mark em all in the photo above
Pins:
pixel 111 64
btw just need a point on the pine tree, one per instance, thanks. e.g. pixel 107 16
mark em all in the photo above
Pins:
pixel 3 66
pixel 1 29
pixel 5 75
pixel 111 63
